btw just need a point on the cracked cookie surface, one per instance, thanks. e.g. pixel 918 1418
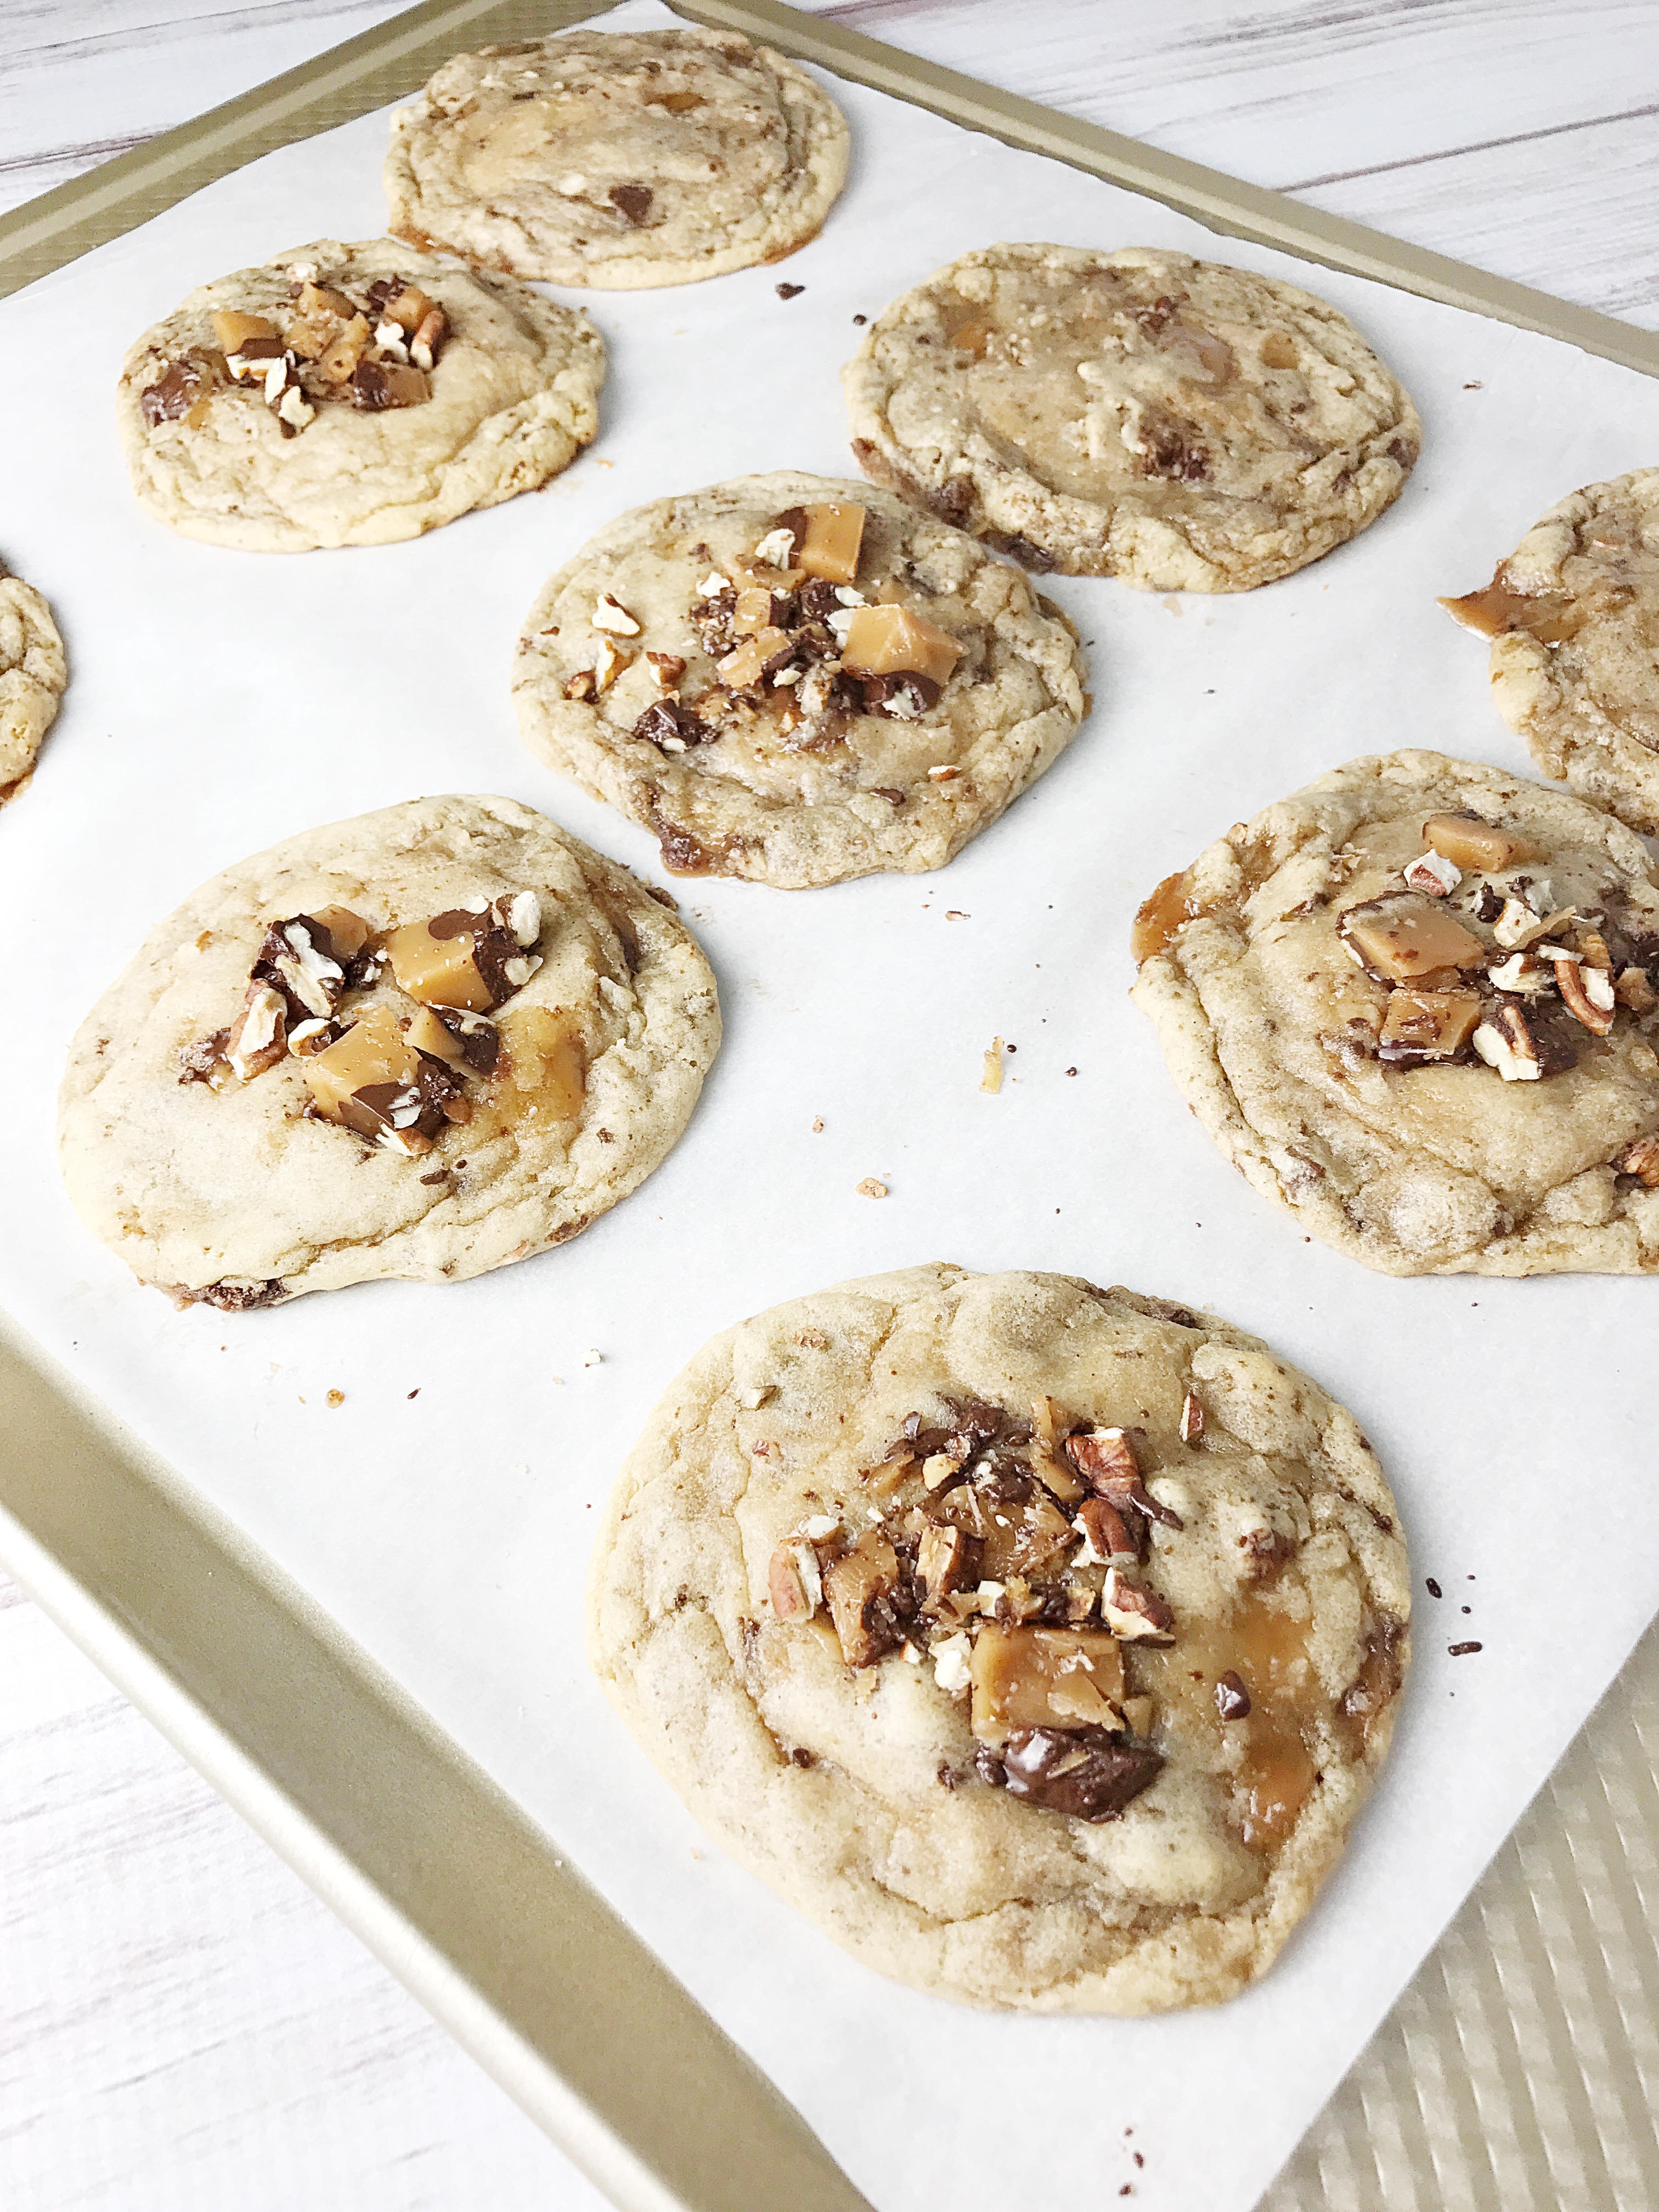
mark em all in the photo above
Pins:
pixel 690 670
pixel 1573 617
pixel 617 159
pixel 1179 424
pixel 194 1143
pixel 34 675
pixel 1039 1642
pixel 352 395
pixel 1416 1003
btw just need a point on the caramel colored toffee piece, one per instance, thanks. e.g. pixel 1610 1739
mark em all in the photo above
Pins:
pixel 349 395
pixel 420 1043
pixel 1573 617
pixel 1417 1003
pixel 1179 424
pixel 797 680
pixel 617 159
pixel 1040 1642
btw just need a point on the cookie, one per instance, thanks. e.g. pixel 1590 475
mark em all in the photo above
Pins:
pixel 352 395
pixel 1573 617
pixel 34 674
pixel 1416 1004
pixel 420 1043
pixel 617 159
pixel 797 680
pixel 1039 1642
pixel 1180 425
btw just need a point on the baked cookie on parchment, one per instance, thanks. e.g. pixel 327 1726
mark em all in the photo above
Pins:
pixel 797 680
pixel 617 159
pixel 1039 1642
pixel 1416 1004
pixel 1573 617
pixel 34 675
pixel 420 1043
pixel 352 395
pixel 1184 426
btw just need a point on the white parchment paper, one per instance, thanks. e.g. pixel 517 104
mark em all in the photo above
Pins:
pixel 220 700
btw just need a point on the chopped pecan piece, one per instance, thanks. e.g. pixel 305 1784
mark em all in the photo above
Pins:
pixel 945 1561
pixel 794 1581
pixel 1136 1614
pixel 204 1060
pixel 257 1038
pixel 1192 1418
pixel 1635 991
pixel 1265 1553
pixel 1105 1459
pixel 1505 1041
pixel 1433 873
pixel 1106 1535
pixel 1588 994
pixel 1641 1159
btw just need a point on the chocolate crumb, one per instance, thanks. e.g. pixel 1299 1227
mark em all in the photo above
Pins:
pixel 1462 1609
pixel 439 1175
pixel 415 1392
pixel 1460 1650
pixel 944 1775
pixel 1232 1699
pixel 1071 1071
pixel 790 291
pixel 860 319
pixel 1433 1587
pixel 800 1756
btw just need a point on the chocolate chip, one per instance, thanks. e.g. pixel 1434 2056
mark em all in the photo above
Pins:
pixel 1232 1699
pixel 633 200
pixel 667 719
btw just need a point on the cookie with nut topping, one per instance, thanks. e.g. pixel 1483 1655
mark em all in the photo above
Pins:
pixel 1040 1643
pixel 420 1043
pixel 797 679
pixel 1573 618
pixel 1418 1004
pixel 617 159
pixel 1181 425
pixel 352 395
pixel 34 675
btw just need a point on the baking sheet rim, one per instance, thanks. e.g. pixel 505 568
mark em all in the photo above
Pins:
pixel 723 2139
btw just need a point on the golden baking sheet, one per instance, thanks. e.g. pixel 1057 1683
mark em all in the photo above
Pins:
pixel 409 1840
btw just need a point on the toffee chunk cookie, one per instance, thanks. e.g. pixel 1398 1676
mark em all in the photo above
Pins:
pixel 797 680
pixel 1416 1004
pixel 352 395
pixel 617 159
pixel 420 1043
pixel 1039 1642
pixel 34 675
pixel 1573 617
pixel 1181 425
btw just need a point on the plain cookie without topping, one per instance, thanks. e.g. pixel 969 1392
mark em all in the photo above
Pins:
pixel 617 159
pixel 1573 617
pixel 1416 1004
pixel 420 1043
pixel 797 680
pixel 353 395
pixel 1039 1642
pixel 1176 423
pixel 34 675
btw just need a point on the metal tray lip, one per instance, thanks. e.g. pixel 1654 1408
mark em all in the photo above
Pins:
pixel 393 59
pixel 693 2160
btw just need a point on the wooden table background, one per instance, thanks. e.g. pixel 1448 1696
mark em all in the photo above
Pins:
pixel 182 2024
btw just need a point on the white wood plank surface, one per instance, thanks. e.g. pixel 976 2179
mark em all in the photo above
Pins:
pixel 181 2024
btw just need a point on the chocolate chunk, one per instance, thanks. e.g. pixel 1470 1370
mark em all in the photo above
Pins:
pixel 633 200
pixel 480 1041
pixel 1381 1671
pixel 205 1060
pixel 818 597
pixel 1019 547
pixel 1265 1553
pixel 382 289
pixel 1232 1699
pixel 179 387
pixel 1154 321
pixel 1166 451
pixel 667 719
pixel 903 695
pixel 1082 1772
pixel 371 387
